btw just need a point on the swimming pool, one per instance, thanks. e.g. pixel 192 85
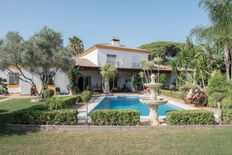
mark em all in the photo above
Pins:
pixel 133 103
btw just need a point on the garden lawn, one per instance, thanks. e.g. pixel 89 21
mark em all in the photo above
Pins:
pixel 133 141
pixel 7 108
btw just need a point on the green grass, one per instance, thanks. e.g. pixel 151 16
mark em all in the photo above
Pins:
pixel 8 108
pixel 134 141
pixel 174 94
pixel 140 141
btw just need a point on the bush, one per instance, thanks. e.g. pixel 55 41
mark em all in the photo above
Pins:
pixel 214 98
pixel 86 96
pixel 55 103
pixel 3 87
pixel 190 117
pixel 115 117
pixel 162 78
pixel 217 83
pixel 48 93
pixel 38 117
pixel 227 116
pixel 73 76
pixel 172 93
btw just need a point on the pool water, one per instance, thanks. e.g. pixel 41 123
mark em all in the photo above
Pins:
pixel 133 103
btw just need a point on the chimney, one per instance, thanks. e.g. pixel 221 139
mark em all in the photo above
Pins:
pixel 115 41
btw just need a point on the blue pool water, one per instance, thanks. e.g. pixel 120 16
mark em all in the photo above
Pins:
pixel 133 103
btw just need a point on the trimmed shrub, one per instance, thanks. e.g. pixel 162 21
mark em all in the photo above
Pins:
pixel 86 96
pixel 190 117
pixel 55 103
pixel 227 116
pixel 115 117
pixel 172 93
pixel 54 117
pixel 48 93
pixel 217 83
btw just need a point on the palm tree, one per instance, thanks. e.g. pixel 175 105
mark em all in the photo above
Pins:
pixel 147 67
pixel 220 15
pixel 141 75
pixel 108 72
pixel 76 44
pixel 158 60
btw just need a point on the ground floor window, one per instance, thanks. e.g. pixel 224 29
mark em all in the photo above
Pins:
pixel 13 79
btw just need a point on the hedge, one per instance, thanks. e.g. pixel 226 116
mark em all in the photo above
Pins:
pixel 227 116
pixel 115 117
pixel 172 93
pixel 190 117
pixel 53 117
pixel 55 103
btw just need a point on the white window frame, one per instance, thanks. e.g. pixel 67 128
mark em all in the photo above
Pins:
pixel 14 80
pixel 111 59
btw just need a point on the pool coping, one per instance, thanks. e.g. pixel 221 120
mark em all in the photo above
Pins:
pixel 92 106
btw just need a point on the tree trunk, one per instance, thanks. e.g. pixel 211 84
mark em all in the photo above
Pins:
pixel 194 77
pixel 44 82
pixel 227 61
pixel 145 76
pixel 143 83
pixel 106 87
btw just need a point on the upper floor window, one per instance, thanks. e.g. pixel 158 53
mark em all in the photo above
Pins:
pixel 111 59
pixel 13 79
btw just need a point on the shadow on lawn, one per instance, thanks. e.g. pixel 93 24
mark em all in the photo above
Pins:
pixel 3 110
pixel 7 117
pixel 6 132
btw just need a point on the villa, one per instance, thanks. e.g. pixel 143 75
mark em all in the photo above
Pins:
pixel 125 59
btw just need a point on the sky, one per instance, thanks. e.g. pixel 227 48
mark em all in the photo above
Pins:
pixel 135 22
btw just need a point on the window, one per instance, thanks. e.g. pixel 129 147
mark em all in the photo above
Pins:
pixel 13 79
pixel 111 59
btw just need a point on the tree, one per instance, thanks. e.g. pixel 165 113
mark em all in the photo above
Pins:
pixel 86 97
pixel 76 45
pixel 108 72
pixel 158 60
pixel 43 54
pixel 141 75
pixel 220 31
pixel 11 51
pixel 45 49
pixel 73 75
pixel 147 67
pixel 163 49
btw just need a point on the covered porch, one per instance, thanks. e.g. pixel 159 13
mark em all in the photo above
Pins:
pixel 127 80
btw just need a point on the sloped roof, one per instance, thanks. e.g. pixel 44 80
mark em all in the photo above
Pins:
pixel 113 47
pixel 82 62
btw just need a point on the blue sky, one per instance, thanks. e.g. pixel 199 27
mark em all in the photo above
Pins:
pixel 95 21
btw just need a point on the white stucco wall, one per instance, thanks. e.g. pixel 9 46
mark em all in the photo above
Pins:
pixel 124 59
pixel 60 80
pixel 92 56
